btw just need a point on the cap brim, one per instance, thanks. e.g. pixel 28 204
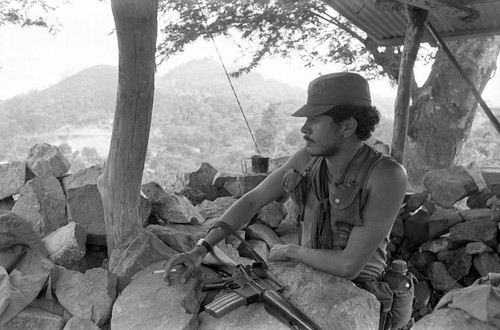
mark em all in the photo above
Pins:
pixel 311 110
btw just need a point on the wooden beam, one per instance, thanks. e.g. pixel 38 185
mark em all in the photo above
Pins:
pixel 445 7
pixel 417 18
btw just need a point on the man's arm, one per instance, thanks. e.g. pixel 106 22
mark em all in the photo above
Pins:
pixel 386 190
pixel 240 213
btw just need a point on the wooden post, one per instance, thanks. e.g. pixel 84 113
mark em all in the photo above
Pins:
pixel 414 31
pixel 120 183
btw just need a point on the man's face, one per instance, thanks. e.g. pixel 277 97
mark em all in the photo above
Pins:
pixel 323 136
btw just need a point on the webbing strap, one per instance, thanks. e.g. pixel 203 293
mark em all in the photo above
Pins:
pixel 227 228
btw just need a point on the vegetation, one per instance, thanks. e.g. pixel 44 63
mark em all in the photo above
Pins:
pixel 195 119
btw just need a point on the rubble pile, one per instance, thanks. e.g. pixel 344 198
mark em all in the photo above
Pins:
pixel 448 234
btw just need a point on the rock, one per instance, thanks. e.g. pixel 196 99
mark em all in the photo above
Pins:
pixel 421 259
pixel 474 231
pixel 442 220
pixel 416 227
pixel 476 214
pixel 272 214
pixel 85 207
pixel 12 177
pixel 201 181
pixel 45 159
pixel 439 276
pixel 82 178
pixel 137 253
pixel 448 186
pixel 237 186
pixel 422 295
pixel 66 244
pixel 477 248
pixel 450 319
pixel 438 245
pixel 80 323
pixel 41 200
pixel 415 201
pixel 32 318
pixel 148 303
pixel 290 238
pixel 457 262
pixel 330 301
pixel 181 238
pixel 398 229
pixel 259 246
pixel 491 177
pixel 7 203
pixel 90 295
pixel 263 233
pixel 215 209
pixel 171 207
pixel 486 263
pixel 478 200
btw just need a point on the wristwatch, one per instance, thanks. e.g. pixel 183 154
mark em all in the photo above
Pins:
pixel 205 244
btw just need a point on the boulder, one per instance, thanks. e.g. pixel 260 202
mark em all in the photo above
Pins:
pixel 237 186
pixel 474 231
pixel 90 295
pixel 41 200
pixel 12 177
pixel 476 214
pixel 441 220
pixel 80 323
pixel 439 276
pixel 82 178
pixel 330 301
pixel 85 207
pixel 263 233
pixel 32 318
pixel 66 244
pixel 148 303
pixel 477 248
pixel 45 159
pixel 486 263
pixel 272 214
pixel 135 254
pixel 450 319
pixel 450 185
pixel 215 209
pixel 171 207
pixel 458 262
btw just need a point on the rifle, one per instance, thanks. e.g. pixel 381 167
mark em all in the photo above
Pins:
pixel 251 284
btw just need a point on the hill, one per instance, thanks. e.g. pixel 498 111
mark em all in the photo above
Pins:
pixel 196 118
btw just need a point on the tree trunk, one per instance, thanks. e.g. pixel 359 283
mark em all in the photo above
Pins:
pixel 120 183
pixel 444 108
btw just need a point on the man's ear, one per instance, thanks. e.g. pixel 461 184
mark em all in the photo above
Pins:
pixel 349 125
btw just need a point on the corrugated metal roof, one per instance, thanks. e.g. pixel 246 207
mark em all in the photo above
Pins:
pixel 388 27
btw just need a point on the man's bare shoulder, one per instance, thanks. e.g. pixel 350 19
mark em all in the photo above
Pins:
pixel 388 172
pixel 299 160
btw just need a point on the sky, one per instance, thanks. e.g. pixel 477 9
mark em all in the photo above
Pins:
pixel 34 59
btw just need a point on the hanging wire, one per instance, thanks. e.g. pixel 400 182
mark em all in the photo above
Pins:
pixel 227 76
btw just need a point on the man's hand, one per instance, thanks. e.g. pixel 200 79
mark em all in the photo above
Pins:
pixel 190 260
pixel 279 252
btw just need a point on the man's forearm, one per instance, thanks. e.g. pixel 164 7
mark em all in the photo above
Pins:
pixel 236 216
pixel 328 261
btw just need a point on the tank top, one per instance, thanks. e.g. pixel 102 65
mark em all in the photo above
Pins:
pixel 347 198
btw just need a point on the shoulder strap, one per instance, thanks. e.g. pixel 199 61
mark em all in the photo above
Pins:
pixel 227 228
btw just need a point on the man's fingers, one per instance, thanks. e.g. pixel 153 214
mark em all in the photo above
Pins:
pixel 174 261
pixel 187 274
